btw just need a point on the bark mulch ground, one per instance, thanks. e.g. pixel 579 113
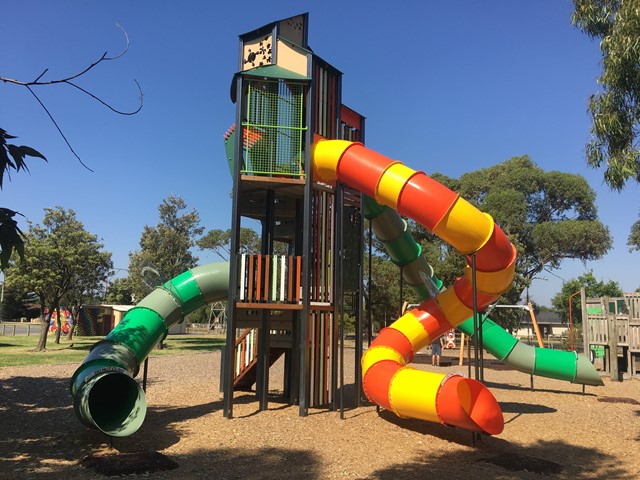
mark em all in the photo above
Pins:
pixel 554 430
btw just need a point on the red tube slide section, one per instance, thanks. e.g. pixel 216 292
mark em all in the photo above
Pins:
pixel 387 379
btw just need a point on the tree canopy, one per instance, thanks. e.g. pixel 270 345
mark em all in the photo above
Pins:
pixel 119 292
pixel 219 241
pixel 165 249
pixel 615 109
pixel 593 288
pixel 548 216
pixel 63 262
pixel 634 237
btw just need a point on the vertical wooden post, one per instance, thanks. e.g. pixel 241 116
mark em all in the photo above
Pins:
pixel 612 330
pixel 536 327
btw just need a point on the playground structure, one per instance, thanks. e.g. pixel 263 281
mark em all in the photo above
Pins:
pixel 611 329
pixel 300 169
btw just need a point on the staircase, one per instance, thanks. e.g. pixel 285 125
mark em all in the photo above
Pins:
pixel 247 378
pixel 246 359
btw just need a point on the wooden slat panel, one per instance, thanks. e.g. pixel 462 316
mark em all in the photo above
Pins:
pixel 267 277
pixel 327 247
pixel 283 276
pixel 269 306
pixel 274 278
pixel 634 336
pixel 250 292
pixel 311 330
pixel 258 277
pixel 243 275
pixel 633 303
pixel 298 275
pixel 290 285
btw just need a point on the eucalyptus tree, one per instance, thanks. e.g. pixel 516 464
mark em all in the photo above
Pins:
pixel 166 248
pixel 119 292
pixel 633 241
pixel 219 241
pixel 61 260
pixel 615 108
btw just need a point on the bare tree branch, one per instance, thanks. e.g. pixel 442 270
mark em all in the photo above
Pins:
pixel 58 128
pixel 102 58
pixel 53 82
pixel 99 100
pixel 126 48
pixel 69 81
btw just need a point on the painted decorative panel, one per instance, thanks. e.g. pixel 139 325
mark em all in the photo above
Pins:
pixel 257 53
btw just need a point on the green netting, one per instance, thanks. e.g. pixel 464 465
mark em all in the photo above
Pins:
pixel 274 132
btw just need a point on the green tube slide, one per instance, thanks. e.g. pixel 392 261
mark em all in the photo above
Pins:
pixel 105 394
pixel 405 252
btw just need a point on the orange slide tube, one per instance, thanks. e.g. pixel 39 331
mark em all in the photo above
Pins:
pixel 387 379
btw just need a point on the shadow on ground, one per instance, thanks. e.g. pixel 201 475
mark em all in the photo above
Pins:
pixel 41 438
pixel 494 458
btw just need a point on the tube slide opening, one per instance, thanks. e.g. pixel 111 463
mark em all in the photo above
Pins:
pixel 467 403
pixel 114 403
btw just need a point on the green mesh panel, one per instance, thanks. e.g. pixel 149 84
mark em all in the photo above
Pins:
pixel 274 132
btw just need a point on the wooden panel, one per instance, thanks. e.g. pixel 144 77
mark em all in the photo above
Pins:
pixel 298 276
pixel 597 325
pixel 267 277
pixel 633 303
pixel 350 117
pixel 283 275
pixel 258 277
pixel 250 287
pixel 290 285
pixel 634 336
pixel 269 306
pixel 243 275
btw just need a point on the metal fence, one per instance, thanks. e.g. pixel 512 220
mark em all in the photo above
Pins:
pixel 13 329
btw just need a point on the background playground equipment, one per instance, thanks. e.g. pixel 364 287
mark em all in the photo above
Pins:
pixel 611 329
pixel 450 339
pixel 534 322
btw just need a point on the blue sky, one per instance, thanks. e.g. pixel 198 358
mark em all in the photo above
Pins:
pixel 446 86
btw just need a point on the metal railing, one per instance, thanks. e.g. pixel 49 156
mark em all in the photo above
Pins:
pixel 13 329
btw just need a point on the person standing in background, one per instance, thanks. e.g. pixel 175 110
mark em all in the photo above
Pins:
pixel 436 351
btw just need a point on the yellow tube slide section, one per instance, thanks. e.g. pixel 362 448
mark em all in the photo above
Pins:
pixel 387 380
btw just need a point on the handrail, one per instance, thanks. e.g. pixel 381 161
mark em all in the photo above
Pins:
pixel 246 349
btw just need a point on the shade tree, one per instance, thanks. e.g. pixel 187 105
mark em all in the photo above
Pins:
pixel 62 261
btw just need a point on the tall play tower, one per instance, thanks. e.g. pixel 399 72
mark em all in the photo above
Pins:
pixel 290 298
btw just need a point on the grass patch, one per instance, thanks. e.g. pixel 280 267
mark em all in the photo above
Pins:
pixel 17 351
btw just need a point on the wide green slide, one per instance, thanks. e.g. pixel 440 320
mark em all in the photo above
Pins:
pixel 405 252
pixel 105 394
